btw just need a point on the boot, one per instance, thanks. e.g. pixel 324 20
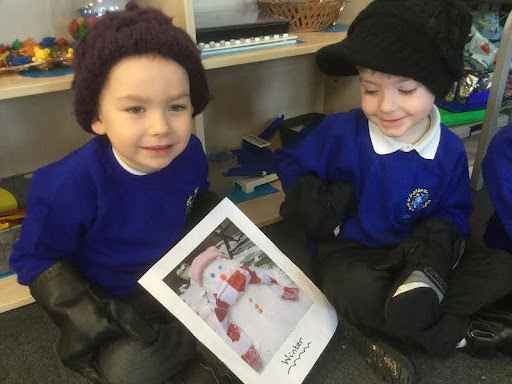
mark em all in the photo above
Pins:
pixel 489 333
pixel 387 362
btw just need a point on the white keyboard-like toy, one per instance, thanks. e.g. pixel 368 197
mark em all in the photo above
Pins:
pixel 214 48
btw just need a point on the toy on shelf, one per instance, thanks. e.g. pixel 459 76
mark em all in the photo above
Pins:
pixel 89 15
pixel 27 54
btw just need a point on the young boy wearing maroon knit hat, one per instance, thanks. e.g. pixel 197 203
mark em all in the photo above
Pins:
pixel 100 217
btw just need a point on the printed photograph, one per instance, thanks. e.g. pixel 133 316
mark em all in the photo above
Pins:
pixel 239 292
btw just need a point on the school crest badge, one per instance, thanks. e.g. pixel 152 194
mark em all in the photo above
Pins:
pixel 190 200
pixel 418 199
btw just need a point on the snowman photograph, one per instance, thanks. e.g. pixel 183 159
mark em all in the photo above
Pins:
pixel 244 299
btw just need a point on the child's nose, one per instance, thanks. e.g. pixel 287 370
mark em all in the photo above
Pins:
pixel 387 103
pixel 159 124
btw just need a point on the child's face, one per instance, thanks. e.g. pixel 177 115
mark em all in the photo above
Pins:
pixel 146 112
pixel 397 105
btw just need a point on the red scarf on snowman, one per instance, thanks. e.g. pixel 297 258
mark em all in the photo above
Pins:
pixel 230 291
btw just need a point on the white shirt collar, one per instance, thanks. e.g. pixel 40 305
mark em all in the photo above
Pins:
pixel 126 166
pixel 426 146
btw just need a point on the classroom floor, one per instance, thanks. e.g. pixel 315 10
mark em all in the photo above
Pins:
pixel 28 338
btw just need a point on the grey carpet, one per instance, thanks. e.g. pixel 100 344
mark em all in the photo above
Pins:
pixel 27 348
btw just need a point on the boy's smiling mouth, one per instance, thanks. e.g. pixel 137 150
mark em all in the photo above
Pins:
pixel 390 122
pixel 159 150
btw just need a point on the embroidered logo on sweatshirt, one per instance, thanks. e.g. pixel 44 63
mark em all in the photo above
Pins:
pixel 190 200
pixel 418 199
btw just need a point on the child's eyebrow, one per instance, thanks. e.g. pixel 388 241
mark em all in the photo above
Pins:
pixel 142 99
pixel 136 98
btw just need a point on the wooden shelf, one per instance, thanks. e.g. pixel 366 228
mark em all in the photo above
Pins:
pixel 13 85
pixel 312 42
pixel 262 211
pixel 13 295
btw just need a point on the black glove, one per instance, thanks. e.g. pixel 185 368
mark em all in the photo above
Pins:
pixel 202 204
pixel 422 264
pixel 435 243
pixel 319 207
pixel 86 320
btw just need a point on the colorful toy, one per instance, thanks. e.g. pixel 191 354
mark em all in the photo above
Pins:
pixel 90 13
pixel 27 54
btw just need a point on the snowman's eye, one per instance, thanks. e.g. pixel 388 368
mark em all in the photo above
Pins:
pixel 220 267
pixel 212 274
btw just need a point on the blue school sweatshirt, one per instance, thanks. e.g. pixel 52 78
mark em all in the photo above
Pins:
pixel 497 171
pixel 395 192
pixel 113 225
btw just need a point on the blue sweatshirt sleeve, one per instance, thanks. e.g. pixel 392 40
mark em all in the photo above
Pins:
pixel 317 153
pixel 456 204
pixel 59 211
pixel 497 172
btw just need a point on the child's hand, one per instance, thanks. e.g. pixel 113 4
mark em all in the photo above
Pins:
pixel 319 207
pixel 86 319
pixel 397 258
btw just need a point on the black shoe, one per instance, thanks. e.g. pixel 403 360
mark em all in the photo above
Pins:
pixel 490 332
pixel 391 365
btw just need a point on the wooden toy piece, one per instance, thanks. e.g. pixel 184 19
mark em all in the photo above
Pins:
pixel 248 184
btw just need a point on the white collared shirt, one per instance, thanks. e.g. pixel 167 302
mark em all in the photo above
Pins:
pixel 426 146
pixel 126 166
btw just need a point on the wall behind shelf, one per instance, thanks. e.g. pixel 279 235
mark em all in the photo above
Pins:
pixel 36 18
pixel 247 97
pixel 37 130
pixel 209 5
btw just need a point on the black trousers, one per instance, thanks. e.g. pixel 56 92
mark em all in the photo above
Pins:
pixel 360 292
pixel 128 361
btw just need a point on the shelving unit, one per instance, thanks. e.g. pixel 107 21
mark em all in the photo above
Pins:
pixel 13 85
pixel 13 295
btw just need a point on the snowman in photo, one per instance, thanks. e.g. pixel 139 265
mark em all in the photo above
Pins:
pixel 252 309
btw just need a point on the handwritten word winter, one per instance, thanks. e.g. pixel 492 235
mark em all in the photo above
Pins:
pixel 295 354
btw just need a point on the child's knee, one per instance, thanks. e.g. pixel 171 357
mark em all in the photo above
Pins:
pixel 129 361
pixel 407 313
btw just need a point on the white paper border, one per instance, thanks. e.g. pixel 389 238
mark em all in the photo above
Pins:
pixel 303 346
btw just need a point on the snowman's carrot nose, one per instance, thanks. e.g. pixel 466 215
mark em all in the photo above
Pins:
pixel 223 276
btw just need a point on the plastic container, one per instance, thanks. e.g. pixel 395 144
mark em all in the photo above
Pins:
pixel 7 239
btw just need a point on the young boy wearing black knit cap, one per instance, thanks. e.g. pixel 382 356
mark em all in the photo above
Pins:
pixel 391 184
pixel 100 217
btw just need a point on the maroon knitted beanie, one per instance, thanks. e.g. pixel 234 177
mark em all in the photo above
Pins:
pixel 135 31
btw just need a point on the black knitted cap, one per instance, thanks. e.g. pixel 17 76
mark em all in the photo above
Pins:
pixel 134 31
pixel 418 39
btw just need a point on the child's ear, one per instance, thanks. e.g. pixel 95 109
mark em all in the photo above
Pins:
pixel 97 127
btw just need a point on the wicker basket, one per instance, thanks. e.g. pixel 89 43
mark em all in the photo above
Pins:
pixel 305 15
